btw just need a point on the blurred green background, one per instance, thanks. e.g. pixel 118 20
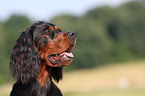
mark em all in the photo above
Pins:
pixel 110 50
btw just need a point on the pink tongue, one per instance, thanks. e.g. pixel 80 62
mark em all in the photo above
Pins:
pixel 67 54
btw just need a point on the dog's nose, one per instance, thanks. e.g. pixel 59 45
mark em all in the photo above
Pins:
pixel 72 35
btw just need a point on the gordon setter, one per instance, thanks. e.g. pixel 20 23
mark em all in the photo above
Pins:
pixel 38 57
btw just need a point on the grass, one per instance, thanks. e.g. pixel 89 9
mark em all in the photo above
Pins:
pixel 123 79
pixel 109 92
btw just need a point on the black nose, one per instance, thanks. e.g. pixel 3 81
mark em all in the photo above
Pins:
pixel 72 35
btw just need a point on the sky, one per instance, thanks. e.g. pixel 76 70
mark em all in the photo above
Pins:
pixel 46 9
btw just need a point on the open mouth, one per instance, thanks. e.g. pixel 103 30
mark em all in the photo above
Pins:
pixel 62 57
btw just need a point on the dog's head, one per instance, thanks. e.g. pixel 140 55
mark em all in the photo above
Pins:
pixel 53 45
pixel 41 43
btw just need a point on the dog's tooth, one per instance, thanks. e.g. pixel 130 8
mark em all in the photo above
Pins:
pixel 64 55
pixel 67 54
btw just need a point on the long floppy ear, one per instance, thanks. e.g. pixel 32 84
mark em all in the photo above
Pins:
pixel 24 59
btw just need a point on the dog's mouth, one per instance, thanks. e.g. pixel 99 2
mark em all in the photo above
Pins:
pixel 63 58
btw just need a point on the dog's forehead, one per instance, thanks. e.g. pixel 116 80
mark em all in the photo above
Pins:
pixel 49 26
pixel 53 27
pixel 45 28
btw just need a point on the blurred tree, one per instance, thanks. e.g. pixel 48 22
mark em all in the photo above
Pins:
pixel 93 44
pixel 12 27
pixel 103 14
pixel 9 31
pixel 131 27
pixel 1 33
pixel 66 22
pixel 3 68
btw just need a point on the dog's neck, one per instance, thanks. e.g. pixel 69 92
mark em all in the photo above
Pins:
pixel 44 75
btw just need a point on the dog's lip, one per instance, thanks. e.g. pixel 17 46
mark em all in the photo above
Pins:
pixel 70 48
pixel 60 58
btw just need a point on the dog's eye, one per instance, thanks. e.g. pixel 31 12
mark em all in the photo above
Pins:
pixel 50 33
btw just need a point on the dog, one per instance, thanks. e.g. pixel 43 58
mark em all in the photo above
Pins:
pixel 38 58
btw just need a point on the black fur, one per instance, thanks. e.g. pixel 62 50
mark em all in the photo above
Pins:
pixel 34 89
pixel 25 60
pixel 25 64
pixel 57 73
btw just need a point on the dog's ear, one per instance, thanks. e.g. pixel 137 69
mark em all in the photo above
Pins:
pixel 24 59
